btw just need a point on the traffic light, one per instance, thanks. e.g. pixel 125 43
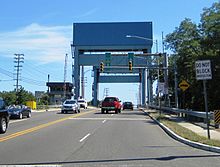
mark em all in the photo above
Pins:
pixel 130 65
pixel 101 67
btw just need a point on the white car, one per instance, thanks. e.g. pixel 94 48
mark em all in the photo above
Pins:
pixel 70 105
pixel 82 103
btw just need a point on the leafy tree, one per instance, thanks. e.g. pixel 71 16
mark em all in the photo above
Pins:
pixel 44 100
pixel 23 96
pixel 210 29
pixel 185 43
pixel 189 43
pixel 9 97
pixel 12 97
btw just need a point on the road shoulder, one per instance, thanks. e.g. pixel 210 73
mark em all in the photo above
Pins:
pixel 183 140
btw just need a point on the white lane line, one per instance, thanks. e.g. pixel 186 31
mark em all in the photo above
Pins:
pixel 104 121
pixel 113 119
pixel 112 114
pixel 14 121
pixel 84 137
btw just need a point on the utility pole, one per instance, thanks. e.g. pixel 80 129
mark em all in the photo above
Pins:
pixel 82 83
pixel 64 80
pixel 18 59
pixel 106 92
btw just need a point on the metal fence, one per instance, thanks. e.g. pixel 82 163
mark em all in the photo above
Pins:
pixel 199 114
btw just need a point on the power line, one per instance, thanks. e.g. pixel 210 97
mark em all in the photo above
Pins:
pixel 6 80
pixel 24 79
pixel 34 68
pixel 7 73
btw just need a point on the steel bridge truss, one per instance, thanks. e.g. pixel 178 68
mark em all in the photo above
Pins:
pixel 96 43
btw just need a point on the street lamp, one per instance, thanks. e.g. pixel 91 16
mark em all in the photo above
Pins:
pixel 156 43
pixel 83 81
pixel 147 39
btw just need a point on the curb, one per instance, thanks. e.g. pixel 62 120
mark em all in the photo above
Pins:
pixel 46 110
pixel 183 140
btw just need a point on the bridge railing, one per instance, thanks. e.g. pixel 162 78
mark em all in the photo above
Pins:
pixel 199 114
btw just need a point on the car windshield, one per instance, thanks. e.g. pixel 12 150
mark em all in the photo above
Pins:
pixel 110 99
pixel 70 102
pixel 81 101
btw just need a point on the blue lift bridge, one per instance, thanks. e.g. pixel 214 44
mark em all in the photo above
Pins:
pixel 107 48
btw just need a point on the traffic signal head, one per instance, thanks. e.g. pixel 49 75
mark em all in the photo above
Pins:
pixel 101 67
pixel 130 65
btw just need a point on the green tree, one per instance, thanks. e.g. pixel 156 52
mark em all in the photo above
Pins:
pixel 12 97
pixel 189 43
pixel 185 43
pixel 23 96
pixel 9 97
pixel 210 29
pixel 44 100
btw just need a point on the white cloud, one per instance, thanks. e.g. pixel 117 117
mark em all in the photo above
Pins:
pixel 43 44
pixel 88 13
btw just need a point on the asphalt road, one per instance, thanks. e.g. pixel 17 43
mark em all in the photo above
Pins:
pixel 93 139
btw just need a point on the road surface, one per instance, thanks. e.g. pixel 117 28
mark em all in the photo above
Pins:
pixel 94 139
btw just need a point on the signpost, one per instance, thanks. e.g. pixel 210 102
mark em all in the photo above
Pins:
pixel 204 72
pixel 217 116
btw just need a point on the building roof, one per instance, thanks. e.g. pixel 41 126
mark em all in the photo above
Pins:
pixel 59 84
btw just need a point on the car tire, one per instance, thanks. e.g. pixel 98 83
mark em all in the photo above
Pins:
pixel 3 125
pixel 20 116
pixel 29 115
pixel 102 111
pixel 116 111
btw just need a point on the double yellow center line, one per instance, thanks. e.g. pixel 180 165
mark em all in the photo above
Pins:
pixel 23 132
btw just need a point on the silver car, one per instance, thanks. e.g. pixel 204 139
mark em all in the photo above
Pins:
pixel 70 106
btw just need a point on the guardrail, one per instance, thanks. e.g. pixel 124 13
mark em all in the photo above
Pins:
pixel 199 114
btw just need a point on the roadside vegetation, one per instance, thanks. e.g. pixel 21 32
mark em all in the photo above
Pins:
pixel 22 96
pixel 184 132
pixel 190 42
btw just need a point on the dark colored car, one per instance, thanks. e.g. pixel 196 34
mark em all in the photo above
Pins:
pixel 4 117
pixel 128 105
pixel 19 111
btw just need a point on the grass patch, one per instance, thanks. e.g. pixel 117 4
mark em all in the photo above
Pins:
pixel 184 132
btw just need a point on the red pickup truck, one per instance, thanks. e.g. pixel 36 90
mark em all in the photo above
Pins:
pixel 111 104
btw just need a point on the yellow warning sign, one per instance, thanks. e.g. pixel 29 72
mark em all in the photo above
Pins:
pixel 217 116
pixel 184 85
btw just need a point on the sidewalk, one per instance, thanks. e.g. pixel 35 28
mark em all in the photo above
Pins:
pixel 46 110
pixel 214 133
pixel 200 130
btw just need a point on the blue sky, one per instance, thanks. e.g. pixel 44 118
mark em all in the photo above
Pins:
pixel 42 31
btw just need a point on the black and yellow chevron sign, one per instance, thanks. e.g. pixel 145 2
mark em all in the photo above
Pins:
pixel 217 116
